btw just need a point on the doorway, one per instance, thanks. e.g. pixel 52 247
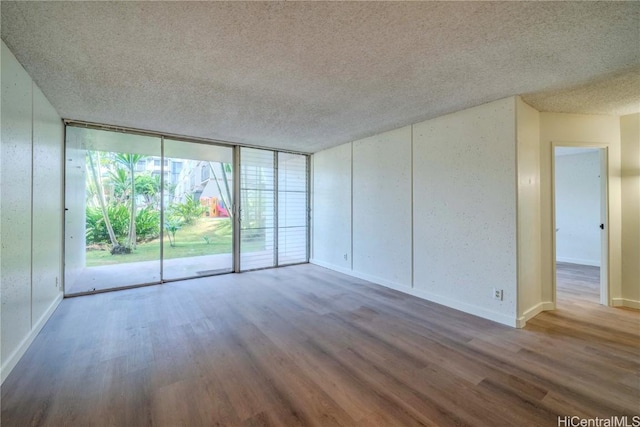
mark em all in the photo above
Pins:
pixel 580 223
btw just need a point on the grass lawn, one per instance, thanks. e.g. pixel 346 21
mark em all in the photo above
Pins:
pixel 189 242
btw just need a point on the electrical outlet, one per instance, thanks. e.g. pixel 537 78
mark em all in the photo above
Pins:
pixel 345 257
pixel 497 294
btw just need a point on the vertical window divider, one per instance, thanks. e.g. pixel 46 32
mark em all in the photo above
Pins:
pixel 276 228
pixel 237 208
pixel 308 209
pixel 162 194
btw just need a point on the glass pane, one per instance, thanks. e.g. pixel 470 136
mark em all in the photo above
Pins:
pixel 112 217
pixel 257 204
pixel 292 208
pixel 198 182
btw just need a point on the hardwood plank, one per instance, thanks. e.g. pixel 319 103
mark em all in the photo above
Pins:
pixel 304 345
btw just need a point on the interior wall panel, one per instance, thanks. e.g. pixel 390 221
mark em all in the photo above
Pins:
pixel 48 131
pixel 528 153
pixel 630 154
pixel 464 208
pixel 332 207
pixel 16 204
pixel 32 141
pixel 382 206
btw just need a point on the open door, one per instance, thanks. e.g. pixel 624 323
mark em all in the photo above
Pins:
pixel 581 240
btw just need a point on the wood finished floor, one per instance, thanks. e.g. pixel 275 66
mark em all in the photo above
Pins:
pixel 307 346
pixel 577 284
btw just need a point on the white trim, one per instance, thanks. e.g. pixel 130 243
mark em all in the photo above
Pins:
pixel 420 293
pixel 15 357
pixel 533 312
pixel 591 262
pixel 625 302
pixel 330 266
pixel 384 282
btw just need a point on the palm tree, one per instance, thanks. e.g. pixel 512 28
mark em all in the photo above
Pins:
pixel 129 161
pixel 99 193
pixel 226 197
pixel 148 186
pixel 120 182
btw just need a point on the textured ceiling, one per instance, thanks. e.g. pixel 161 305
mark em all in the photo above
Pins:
pixel 309 75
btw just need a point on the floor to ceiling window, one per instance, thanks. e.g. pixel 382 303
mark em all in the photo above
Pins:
pixel 292 208
pixel 198 201
pixel 257 209
pixel 112 210
pixel 143 209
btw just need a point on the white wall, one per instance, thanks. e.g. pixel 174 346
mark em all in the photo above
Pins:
pixel 382 207
pixel 457 216
pixel 48 134
pixel 331 208
pixel 630 140
pixel 464 209
pixel 31 158
pixel 578 208
pixel 528 216
pixel 580 129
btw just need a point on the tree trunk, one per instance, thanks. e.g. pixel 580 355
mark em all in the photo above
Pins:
pixel 132 221
pixel 226 185
pixel 226 199
pixel 100 195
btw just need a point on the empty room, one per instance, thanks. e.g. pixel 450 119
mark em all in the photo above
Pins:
pixel 320 213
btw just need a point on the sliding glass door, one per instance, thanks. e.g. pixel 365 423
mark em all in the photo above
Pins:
pixel 112 211
pixel 198 210
pixel 143 209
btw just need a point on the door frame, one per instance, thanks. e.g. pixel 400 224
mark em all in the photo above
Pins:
pixel 605 238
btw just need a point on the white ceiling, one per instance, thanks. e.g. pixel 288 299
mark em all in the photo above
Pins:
pixel 310 75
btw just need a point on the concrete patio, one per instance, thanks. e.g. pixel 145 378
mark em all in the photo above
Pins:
pixel 93 279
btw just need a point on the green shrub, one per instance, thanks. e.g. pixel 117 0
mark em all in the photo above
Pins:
pixel 147 224
pixel 172 225
pixel 96 231
pixel 188 211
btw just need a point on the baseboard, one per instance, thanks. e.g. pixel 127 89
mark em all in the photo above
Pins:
pixel 462 306
pixel 380 281
pixel 15 357
pixel 624 302
pixel 330 266
pixel 593 263
pixel 438 299
pixel 533 312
